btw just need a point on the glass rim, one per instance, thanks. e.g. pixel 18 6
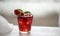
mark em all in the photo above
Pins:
pixel 26 16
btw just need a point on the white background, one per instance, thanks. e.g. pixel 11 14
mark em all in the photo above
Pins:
pixel 37 7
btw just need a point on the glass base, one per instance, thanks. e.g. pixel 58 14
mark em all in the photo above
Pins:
pixel 24 32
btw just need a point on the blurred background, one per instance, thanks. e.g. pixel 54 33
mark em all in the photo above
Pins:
pixel 45 12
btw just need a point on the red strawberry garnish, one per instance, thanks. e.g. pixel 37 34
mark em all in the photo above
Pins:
pixel 16 12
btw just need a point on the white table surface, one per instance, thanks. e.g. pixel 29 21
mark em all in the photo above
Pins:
pixel 35 31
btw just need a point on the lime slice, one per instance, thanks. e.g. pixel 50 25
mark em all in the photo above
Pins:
pixel 27 12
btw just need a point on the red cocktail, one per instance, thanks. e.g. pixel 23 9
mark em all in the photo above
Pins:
pixel 24 23
pixel 24 20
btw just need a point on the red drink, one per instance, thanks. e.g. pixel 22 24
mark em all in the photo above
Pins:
pixel 24 23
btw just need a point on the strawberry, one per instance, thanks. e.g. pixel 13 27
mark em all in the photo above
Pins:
pixel 18 12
